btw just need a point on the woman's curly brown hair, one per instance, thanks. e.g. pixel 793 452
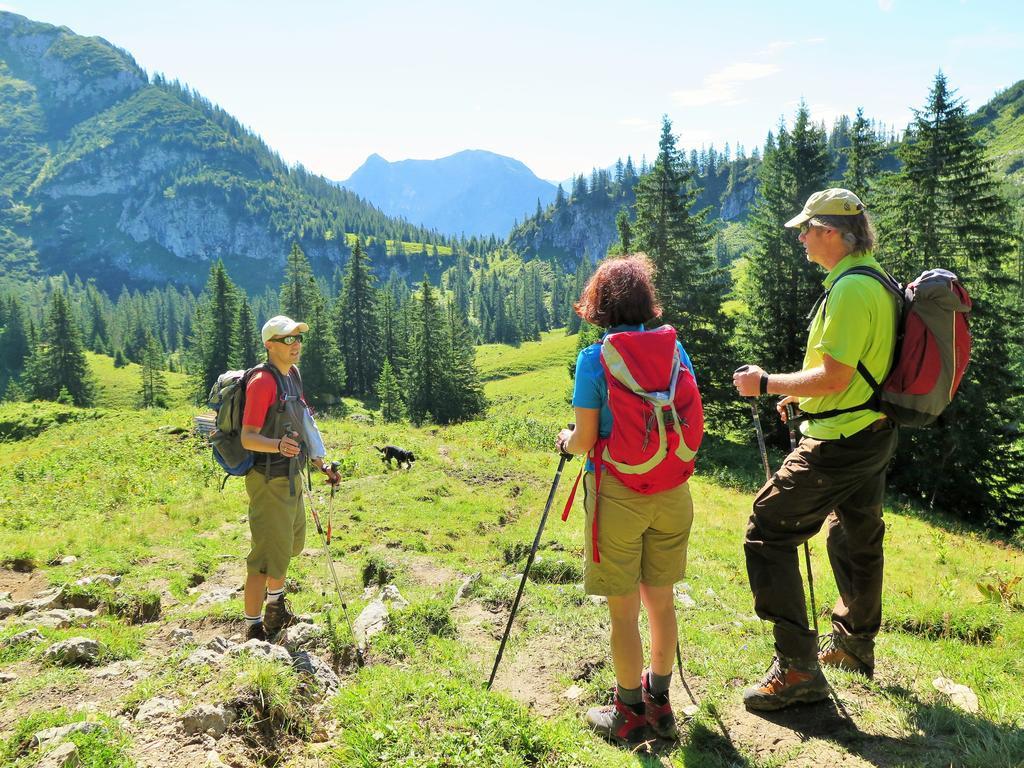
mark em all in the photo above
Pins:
pixel 620 292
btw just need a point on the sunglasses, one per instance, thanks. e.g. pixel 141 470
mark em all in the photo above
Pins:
pixel 289 340
pixel 805 228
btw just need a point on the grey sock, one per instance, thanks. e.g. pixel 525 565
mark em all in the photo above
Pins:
pixel 659 683
pixel 631 696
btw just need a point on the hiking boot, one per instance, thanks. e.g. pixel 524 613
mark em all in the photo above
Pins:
pixel 620 723
pixel 658 710
pixel 276 617
pixel 785 684
pixel 255 632
pixel 832 654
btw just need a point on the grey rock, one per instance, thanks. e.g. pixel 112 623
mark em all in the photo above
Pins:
pixel 74 650
pixel 5 596
pixel 28 636
pixel 157 708
pixel 264 649
pixel 466 587
pixel 219 644
pixel 686 601
pixel 312 552
pixel 60 733
pixel 100 578
pixel 214 596
pixel 7 677
pixel 960 696
pixel 68 560
pixel 182 635
pixel 298 636
pixel 44 601
pixel 7 608
pixel 118 669
pixel 64 756
pixel 319 669
pixel 59 618
pixel 390 594
pixel 208 719
pixel 372 621
pixel 203 656
pixel 598 599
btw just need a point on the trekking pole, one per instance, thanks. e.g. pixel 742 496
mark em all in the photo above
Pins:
pixel 330 505
pixel 529 562
pixel 791 424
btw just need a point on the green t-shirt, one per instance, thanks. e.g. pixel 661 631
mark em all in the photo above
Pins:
pixel 856 324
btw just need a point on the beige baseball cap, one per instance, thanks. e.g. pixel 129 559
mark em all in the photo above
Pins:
pixel 828 202
pixel 279 325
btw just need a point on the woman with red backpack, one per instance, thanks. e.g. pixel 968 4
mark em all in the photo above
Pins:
pixel 639 421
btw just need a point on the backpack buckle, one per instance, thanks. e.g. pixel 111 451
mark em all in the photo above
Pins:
pixel 667 417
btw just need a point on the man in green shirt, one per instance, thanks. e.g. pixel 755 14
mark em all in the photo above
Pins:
pixel 837 472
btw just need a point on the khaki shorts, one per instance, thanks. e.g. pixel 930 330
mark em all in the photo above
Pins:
pixel 277 523
pixel 641 538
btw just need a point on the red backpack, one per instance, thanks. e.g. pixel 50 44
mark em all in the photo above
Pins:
pixel 933 348
pixel 657 416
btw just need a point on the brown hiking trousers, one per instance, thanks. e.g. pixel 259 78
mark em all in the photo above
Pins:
pixel 841 481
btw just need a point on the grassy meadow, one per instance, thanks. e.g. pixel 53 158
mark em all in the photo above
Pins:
pixel 135 493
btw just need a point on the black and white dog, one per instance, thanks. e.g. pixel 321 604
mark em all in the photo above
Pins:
pixel 389 452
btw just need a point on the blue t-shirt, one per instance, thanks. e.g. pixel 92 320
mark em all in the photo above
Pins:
pixel 590 390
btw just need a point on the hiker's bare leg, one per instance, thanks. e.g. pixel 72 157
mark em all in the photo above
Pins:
pixel 627 648
pixel 661 616
pixel 256 584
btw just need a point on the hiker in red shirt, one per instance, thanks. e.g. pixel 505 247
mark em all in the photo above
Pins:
pixel 639 420
pixel 276 425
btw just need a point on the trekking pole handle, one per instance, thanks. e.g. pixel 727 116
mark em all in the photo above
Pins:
pixel 791 423
pixel 565 454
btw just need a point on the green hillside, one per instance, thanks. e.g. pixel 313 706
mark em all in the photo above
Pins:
pixel 111 175
pixel 1000 125
pixel 128 492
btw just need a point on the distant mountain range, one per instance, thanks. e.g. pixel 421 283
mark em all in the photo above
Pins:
pixel 473 192
pixel 109 175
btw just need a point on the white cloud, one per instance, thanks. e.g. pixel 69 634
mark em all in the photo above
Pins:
pixel 721 87
pixel 10 8
pixel 886 5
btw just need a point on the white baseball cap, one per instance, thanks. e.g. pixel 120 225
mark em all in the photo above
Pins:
pixel 279 325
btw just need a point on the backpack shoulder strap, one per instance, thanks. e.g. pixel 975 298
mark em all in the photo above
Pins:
pixel 298 375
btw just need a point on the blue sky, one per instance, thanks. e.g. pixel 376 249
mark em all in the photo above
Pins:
pixel 562 86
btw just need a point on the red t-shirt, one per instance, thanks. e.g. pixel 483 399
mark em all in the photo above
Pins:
pixel 260 394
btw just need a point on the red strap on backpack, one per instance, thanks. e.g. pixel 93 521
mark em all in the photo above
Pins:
pixel 594 456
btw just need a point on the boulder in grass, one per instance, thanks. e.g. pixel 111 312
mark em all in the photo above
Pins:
pixel 319 669
pixel 209 719
pixel 61 733
pixel 466 587
pixel 28 636
pixel 7 608
pixel 46 600
pixel 59 618
pixel 100 578
pixel 960 696
pixel 203 656
pixel 298 636
pixel 371 621
pixel 156 709
pixel 64 756
pixel 74 650
pixel 264 649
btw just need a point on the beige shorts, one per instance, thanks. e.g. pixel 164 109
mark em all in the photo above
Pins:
pixel 277 523
pixel 641 538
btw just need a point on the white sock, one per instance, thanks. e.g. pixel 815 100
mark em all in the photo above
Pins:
pixel 274 594
pixel 252 620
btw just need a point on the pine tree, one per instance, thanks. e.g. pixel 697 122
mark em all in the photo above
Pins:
pixel 153 384
pixel 214 339
pixel 690 285
pixel 780 285
pixel 943 209
pixel 323 369
pixel 862 155
pixel 425 373
pixel 14 342
pixel 58 363
pixel 356 325
pixel 249 351
pixel 389 392
pixel 583 272
pixel 462 394
pixel 625 231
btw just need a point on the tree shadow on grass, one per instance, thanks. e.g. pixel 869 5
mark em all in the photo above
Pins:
pixel 942 735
